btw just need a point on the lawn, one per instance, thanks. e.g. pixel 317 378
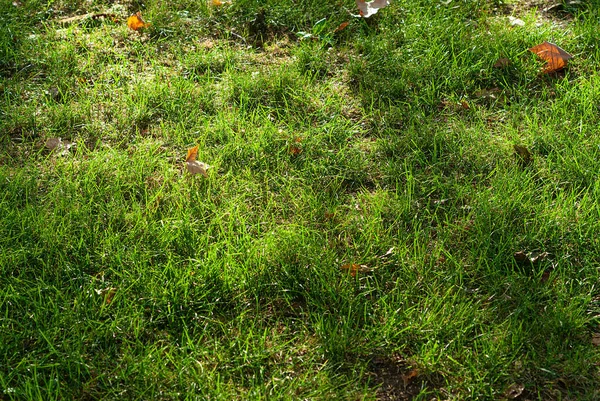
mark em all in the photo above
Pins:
pixel 403 207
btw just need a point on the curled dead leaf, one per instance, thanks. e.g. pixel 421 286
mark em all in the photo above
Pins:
pixel 367 9
pixel 556 58
pixel 136 22
pixel 596 339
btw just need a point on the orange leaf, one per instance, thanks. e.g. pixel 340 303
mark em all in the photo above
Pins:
pixel 351 267
pixel 136 22
pixel 342 26
pixel 354 268
pixel 367 9
pixel 555 57
pixel 191 154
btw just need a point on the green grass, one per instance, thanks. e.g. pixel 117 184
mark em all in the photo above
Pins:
pixel 122 276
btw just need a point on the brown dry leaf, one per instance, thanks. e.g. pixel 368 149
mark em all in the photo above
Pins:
pixel 526 158
pixel 407 378
pixel 53 143
pixel 502 63
pixel 514 391
pixel 196 167
pixel 520 257
pixel 136 22
pixel 342 26
pixel 108 293
pixel 367 9
pixel 596 339
pixel 555 57
pixel 58 145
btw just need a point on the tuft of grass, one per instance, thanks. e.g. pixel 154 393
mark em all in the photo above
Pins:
pixel 387 146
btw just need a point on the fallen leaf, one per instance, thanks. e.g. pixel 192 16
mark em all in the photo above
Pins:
pixel 192 153
pixel 342 26
pixel 53 143
pixel 514 391
pixel 216 3
pixel 407 378
pixel 58 145
pixel 354 268
pixel 596 339
pixel 555 57
pixel 367 9
pixel 520 257
pixel 533 257
pixel 136 22
pixel 525 157
pixel 515 21
pixel 502 63
pixel 196 167
pixel 545 276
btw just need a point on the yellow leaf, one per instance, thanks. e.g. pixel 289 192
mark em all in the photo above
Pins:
pixel 136 22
